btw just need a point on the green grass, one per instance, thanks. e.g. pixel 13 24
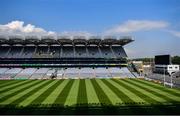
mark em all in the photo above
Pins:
pixel 82 94
pixel 115 93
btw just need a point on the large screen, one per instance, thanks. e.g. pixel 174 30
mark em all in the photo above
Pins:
pixel 162 59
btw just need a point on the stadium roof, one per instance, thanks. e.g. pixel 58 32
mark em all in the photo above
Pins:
pixel 15 40
pixel 63 40
pixel 49 40
pixel 31 40
pixel 79 40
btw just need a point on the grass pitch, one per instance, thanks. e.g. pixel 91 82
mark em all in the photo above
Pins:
pixel 87 96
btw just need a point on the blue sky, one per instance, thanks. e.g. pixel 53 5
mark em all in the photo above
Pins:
pixel 140 18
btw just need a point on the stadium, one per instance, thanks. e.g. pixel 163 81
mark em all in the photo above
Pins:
pixel 76 75
pixel 69 55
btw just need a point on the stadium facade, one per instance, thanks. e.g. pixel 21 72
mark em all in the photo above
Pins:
pixel 33 57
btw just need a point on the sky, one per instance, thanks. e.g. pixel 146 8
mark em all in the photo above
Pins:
pixel 153 24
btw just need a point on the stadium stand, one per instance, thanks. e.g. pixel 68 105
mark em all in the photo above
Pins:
pixel 11 73
pixel 87 73
pixel 25 73
pixel 3 52
pixel 39 73
pixel 54 52
pixel 61 73
pixel 28 51
pixel 45 57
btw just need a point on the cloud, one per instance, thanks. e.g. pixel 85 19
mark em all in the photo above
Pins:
pixel 75 33
pixel 175 33
pixel 136 25
pixel 18 28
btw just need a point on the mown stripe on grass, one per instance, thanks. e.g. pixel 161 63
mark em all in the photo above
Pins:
pixel 8 83
pixel 23 92
pixel 46 93
pixel 148 97
pixel 30 92
pixel 5 93
pixel 31 98
pixel 120 94
pixel 73 94
pixel 82 94
pixel 109 93
pixel 173 91
pixel 52 97
pixel 91 94
pixel 15 85
pixel 4 83
pixel 61 99
pixel 168 97
pixel 17 91
pixel 148 90
pixel 127 92
pixel 100 93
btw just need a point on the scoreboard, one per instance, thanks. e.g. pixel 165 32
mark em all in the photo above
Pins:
pixel 162 60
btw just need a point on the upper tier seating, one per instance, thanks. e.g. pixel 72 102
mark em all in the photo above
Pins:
pixel 15 52
pixel 4 50
pixel 62 52
pixel 54 51
pixel 119 51
pixel 107 52
pixel 81 52
pixel 67 52
pixel 94 52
